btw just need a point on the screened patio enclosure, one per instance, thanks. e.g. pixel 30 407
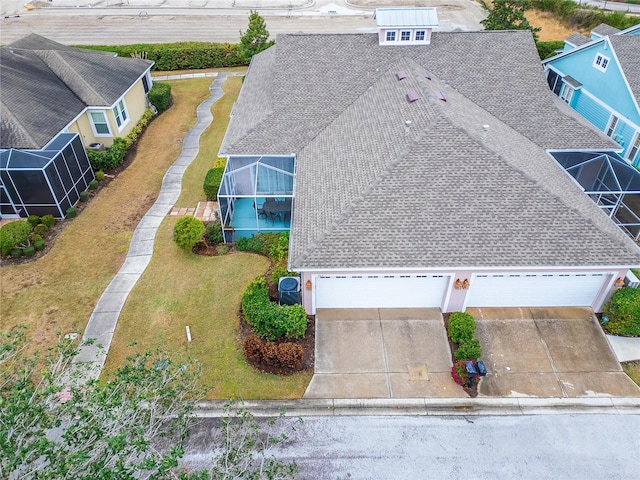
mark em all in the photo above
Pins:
pixel 611 182
pixel 43 182
pixel 256 195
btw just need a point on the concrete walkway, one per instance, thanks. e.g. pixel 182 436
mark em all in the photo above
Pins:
pixel 103 320
pixel 627 349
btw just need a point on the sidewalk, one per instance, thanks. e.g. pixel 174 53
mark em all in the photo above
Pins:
pixel 103 320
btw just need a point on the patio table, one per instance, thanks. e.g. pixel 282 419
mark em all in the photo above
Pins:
pixel 277 208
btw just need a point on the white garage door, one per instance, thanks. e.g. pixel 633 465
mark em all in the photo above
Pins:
pixel 566 290
pixel 380 291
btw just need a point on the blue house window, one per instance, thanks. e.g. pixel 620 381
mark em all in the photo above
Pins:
pixel 601 62
pixel 567 93
pixel 391 36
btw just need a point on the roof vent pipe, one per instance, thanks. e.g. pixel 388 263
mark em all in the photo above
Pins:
pixel 407 128
pixel 485 131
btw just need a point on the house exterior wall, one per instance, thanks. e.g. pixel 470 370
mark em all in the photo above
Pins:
pixel 455 298
pixel 603 94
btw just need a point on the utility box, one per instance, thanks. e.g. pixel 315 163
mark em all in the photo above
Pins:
pixel 289 291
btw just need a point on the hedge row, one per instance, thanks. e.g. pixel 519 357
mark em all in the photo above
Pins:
pixel 212 182
pixel 461 330
pixel 268 319
pixel 181 55
pixel 160 96
pixel 623 311
pixel 287 354
pixel 580 17
pixel 113 156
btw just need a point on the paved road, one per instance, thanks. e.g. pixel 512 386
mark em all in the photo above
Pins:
pixel 530 447
pixel 169 22
pixel 621 7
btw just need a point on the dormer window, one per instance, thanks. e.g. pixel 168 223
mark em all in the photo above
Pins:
pixel 405 35
pixel 406 26
pixel 420 35
pixel 391 36
pixel 601 62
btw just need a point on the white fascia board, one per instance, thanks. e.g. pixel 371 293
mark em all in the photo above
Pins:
pixel 624 77
pixel 449 270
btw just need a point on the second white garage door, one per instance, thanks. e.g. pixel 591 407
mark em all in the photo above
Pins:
pixel 550 290
pixel 380 291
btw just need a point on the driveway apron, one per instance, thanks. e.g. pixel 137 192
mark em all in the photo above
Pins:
pixel 103 320
pixel 381 353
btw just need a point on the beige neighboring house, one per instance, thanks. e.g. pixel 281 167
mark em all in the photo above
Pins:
pixel 49 88
pixel 55 102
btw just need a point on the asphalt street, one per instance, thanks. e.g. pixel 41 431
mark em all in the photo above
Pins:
pixel 580 447
pixel 155 21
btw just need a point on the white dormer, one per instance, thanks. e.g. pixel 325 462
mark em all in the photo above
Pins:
pixel 405 26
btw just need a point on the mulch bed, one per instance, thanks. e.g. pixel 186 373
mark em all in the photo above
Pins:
pixel 473 391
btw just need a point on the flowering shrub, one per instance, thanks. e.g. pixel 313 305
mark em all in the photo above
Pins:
pixel 459 373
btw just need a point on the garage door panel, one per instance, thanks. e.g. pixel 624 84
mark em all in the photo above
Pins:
pixel 380 291
pixel 541 290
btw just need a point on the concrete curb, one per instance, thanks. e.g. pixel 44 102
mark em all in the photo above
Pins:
pixel 426 406
pixel 102 323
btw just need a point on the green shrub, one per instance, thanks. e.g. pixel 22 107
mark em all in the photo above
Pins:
pixel 38 242
pixel 214 232
pixel 268 319
pixel 29 251
pixel 41 230
pixel 212 182
pixel 462 327
pixel 33 220
pixel 623 311
pixel 548 49
pixel 71 212
pixel 468 350
pixel 272 245
pixel 93 185
pixel 187 232
pixel 222 249
pixel 99 175
pixel 16 252
pixel 48 220
pixel 111 157
pixel 14 235
pixel 181 55
pixel 84 196
pixel 160 96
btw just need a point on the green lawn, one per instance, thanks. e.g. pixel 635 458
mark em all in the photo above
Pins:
pixel 181 289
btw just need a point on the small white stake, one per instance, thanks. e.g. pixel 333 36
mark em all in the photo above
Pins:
pixel 188 334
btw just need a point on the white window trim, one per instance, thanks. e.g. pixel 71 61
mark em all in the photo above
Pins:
pixel 403 32
pixel 93 125
pixel 566 94
pixel 612 124
pixel 116 106
pixel 602 59
pixel 424 35
pixel 395 36
pixel 635 143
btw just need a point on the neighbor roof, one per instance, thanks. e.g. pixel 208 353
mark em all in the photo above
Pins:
pixel 627 49
pixel 603 29
pixel 45 85
pixel 369 195
pixel 576 39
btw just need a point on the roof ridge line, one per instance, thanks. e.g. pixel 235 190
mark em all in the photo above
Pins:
pixel 75 75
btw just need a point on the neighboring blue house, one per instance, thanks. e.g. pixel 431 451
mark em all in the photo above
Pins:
pixel 599 77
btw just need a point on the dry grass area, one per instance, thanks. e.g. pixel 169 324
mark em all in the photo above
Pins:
pixel 203 70
pixel 59 291
pixel 181 289
pixel 552 28
pixel 633 370
pixel 210 141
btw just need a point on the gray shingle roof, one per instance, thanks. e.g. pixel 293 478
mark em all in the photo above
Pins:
pixel 604 29
pixel 627 48
pixel 368 195
pixel 577 39
pixel 62 82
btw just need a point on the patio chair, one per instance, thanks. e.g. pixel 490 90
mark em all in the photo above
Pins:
pixel 260 211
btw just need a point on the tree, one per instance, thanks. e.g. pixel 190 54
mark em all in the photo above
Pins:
pixel 510 15
pixel 256 38
pixel 133 425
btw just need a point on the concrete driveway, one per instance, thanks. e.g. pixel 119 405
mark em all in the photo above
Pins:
pixel 381 353
pixel 547 352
